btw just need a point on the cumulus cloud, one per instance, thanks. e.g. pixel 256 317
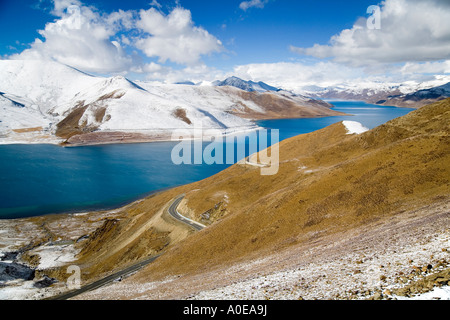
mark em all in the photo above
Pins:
pixel 245 5
pixel 81 38
pixel 174 37
pixel 411 31
pixel 94 41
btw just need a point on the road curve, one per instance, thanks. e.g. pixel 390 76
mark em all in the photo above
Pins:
pixel 100 283
pixel 173 211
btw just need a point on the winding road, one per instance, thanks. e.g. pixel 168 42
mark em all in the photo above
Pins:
pixel 173 211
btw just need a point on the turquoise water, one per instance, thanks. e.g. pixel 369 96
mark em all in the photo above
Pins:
pixel 44 179
pixel 370 116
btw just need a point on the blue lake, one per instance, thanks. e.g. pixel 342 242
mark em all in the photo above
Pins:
pixel 45 179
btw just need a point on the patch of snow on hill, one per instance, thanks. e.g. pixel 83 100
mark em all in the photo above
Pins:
pixel 354 127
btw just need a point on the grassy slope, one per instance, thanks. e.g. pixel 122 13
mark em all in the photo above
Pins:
pixel 136 232
pixel 328 182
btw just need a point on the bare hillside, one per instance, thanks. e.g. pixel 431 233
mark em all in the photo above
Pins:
pixel 332 188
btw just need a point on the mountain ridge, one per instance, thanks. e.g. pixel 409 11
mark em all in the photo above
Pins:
pixel 409 95
pixel 249 86
pixel 77 108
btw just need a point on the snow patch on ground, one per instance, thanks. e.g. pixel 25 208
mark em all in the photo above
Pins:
pixel 436 294
pixel 18 290
pixel 52 256
pixel 354 127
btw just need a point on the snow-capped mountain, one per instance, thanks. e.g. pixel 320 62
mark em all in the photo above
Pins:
pixel 409 94
pixel 419 98
pixel 48 101
pixel 249 86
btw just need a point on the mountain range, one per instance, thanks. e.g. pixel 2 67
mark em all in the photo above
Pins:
pixel 55 103
pixel 51 102
pixel 410 94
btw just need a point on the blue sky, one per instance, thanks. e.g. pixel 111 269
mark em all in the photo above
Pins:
pixel 233 36
pixel 255 35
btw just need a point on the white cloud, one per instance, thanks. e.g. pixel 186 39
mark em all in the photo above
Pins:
pixel 411 31
pixel 60 6
pixel 438 67
pixel 297 75
pixel 196 74
pixel 81 38
pixel 245 5
pixel 174 37
pixel 155 4
pixel 92 41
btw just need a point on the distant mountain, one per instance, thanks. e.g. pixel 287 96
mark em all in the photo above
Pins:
pixel 418 98
pixel 412 95
pixel 249 86
pixel 51 102
pixel 188 83
pixel 433 93
pixel 371 95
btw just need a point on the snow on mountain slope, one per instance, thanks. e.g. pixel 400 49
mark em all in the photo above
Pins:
pixel 407 94
pixel 47 84
pixel 245 85
pixel 17 116
pixel 418 98
pixel 49 93
pixel 66 102
pixel 435 92
pixel 210 103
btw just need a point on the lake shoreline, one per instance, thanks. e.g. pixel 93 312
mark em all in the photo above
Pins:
pixel 72 179
pixel 117 137
pixel 101 138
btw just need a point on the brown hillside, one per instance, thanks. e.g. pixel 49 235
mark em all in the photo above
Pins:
pixel 328 182
pixel 136 232
pixel 279 106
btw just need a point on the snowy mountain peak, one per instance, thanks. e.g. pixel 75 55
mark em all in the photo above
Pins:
pixel 52 99
pixel 118 82
pixel 407 94
pixel 249 86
